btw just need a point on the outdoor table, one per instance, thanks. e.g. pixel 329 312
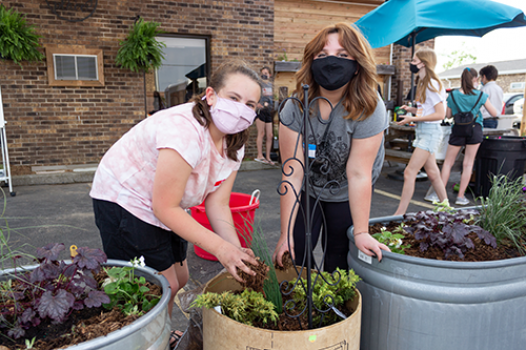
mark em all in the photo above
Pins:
pixel 402 136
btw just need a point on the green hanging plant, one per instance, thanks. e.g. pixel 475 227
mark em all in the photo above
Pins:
pixel 18 40
pixel 141 51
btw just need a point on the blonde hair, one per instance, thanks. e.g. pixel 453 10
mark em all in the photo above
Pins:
pixel 360 97
pixel 429 58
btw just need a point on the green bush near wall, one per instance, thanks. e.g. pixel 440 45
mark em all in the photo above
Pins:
pixel 18 40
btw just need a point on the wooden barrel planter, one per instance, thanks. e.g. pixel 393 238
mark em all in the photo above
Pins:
pixel 223 333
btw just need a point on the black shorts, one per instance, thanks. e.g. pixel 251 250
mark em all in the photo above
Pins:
pixel 476 137
pixel 125 237
pixel 265 115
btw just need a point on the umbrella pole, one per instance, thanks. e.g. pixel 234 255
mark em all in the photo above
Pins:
pixel 413 43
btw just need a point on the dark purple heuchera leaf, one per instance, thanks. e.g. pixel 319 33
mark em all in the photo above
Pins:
pixel 487 237
pixel 37 275
pixel 55 307
pixel 447 231
pixel 69 270
pixel 96 298
pixel 90 281
pixel 16 332
pixel 89 258
pixel 28 315
pixel 50 251
pixel 78 305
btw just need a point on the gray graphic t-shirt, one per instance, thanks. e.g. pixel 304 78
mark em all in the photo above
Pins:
pixel 329 144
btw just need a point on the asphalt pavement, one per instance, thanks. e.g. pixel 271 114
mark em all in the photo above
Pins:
pixel 46 213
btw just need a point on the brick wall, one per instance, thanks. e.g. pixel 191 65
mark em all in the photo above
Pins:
pixel 401 59
pixel 76 125
pixel 504 81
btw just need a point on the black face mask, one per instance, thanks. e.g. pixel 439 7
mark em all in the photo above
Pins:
pixel 333 72
pixel 264 77
pixel 413 68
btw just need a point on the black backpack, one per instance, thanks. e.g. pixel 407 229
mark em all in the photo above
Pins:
pixel 464 121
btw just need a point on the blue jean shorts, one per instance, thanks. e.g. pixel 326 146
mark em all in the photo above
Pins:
pixel 428 136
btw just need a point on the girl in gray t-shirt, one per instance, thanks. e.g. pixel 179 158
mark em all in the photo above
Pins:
pixel 344 147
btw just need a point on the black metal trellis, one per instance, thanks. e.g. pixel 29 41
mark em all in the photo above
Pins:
pixel 283 188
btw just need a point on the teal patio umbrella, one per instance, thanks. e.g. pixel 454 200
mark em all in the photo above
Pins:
pixel 409 22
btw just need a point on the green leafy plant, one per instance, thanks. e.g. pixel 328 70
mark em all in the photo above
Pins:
pixel 283 56
pixel 247 307
pixel 392 239
pixel 126 291
pixel 504 212
pixel 18 40
pixel 329 289
pixel 141 51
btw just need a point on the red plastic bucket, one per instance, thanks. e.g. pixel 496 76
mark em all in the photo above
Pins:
pixel 242 213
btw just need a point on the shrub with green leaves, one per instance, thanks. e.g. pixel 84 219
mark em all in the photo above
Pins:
pixel 247 307
pixel 128 292
pixel 141 51
pixel 18 40
pixel 335 289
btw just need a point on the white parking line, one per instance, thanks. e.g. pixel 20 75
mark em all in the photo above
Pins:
pixel 394 196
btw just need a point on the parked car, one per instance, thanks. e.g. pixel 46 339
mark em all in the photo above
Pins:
pixel 518 108
pixel 509 101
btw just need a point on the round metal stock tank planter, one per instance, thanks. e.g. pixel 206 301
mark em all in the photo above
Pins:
pixel 150 331
pixel 412 303
pixel 223 333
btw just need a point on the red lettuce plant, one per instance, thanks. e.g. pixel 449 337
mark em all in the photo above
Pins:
pixel 447 230
pixel 52 290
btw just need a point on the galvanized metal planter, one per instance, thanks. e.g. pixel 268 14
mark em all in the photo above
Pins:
pixel 151 331
pixel 412 303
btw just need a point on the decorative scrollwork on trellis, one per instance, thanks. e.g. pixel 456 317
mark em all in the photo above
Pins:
pixel 333 186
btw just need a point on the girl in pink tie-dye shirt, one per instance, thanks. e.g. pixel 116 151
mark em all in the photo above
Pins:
pixel 170 162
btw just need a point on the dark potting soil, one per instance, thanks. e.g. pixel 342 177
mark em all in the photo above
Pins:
pixel 288 323
pixel 80 326
pixel 481 252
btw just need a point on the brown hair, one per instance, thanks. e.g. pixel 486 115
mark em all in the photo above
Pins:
pixel 490 72
pixel 429 58
pixel 466 80
pixel 201 110
pixel 361 93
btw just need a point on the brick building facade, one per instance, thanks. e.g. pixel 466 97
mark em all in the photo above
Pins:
pixel 54 125
pixel 64 125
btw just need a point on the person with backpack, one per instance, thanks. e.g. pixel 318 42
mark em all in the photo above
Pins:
pixel 428 114
pixel 464 106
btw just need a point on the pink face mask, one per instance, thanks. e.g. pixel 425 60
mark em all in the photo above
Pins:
pixel 232 117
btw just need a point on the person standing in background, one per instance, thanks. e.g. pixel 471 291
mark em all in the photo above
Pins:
pixel 466 99
pixel 264 119
pixel 430 111
pixel 488 75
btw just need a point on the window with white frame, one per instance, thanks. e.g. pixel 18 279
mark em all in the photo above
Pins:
pixel 71 65
pixel 75 67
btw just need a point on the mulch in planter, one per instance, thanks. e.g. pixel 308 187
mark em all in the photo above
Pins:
pixel 481 252
pixel 81 325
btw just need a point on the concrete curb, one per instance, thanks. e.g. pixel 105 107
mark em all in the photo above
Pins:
pixel 87 176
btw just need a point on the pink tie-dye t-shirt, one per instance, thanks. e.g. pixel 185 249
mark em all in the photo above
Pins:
pixel 126 172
